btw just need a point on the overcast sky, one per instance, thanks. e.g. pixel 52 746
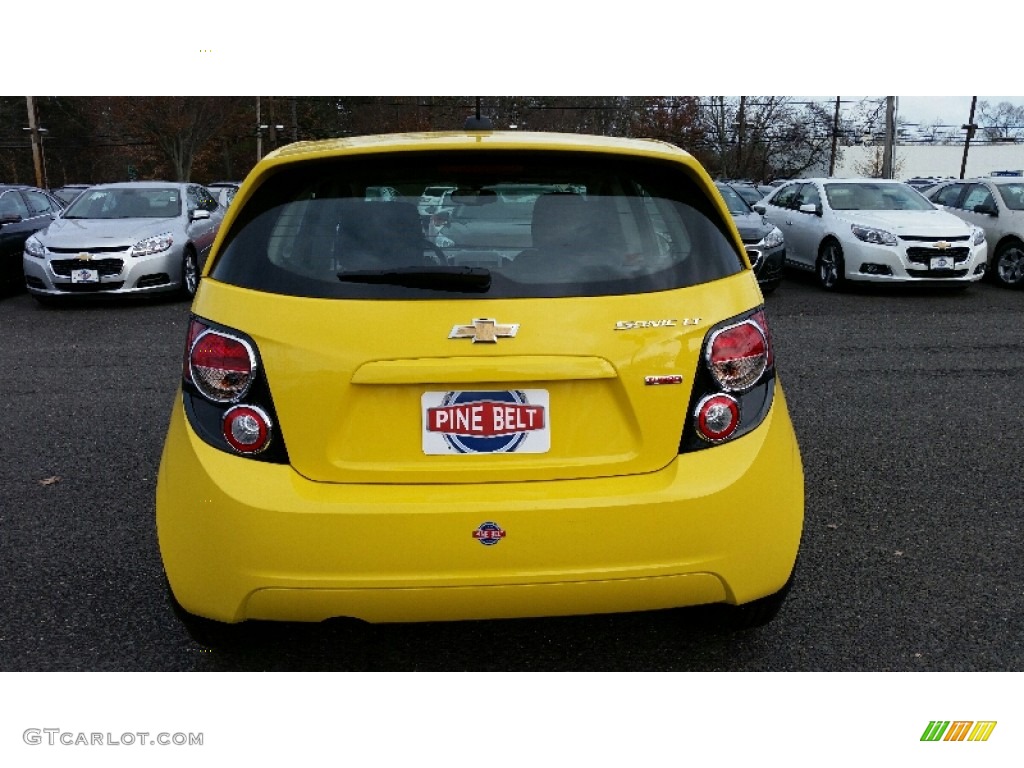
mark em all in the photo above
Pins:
pixel 947 110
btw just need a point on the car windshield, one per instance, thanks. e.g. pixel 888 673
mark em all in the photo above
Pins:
pixel 874 197
pixel 68 194
pixel 518 224
pixel 1012 194
pixel 733 200
pixel 126 203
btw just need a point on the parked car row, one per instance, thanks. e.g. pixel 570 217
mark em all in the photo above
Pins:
pixel 873 230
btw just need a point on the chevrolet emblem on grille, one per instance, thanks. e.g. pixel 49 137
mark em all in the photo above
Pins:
pixel 942 245
pixel 484 330
pixel 84 256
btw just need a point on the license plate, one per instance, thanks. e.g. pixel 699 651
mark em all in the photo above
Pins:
pixel 85 276
pixel 504 421
pixel 942 262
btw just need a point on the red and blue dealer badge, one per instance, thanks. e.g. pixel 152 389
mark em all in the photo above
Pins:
pixel 513 421
pixel 489 533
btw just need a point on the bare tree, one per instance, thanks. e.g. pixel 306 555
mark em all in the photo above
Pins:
pixel 871 166
pixel 179 126
pixel 1001 122
pixel 764 137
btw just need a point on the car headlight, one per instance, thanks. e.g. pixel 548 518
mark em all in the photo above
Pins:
pixel 152 245
pixel 873 236
pixel 34 248
pixel 772 239
pixel 979 236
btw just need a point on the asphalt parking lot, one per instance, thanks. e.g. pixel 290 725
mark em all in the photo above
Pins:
pixel 906 404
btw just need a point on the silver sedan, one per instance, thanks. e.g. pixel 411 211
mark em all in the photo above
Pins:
pixel 129 238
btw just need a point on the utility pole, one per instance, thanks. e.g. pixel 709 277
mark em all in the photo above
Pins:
pixel 970 128
pixel 835 140
pixel 273 125
pixel 890 137
pixel 37 151
pixel 259 132
pixel 740 131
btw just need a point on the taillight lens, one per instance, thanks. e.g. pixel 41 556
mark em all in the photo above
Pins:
pixel 247 429
pixel 717 417
pixel 738 356
pixel 734 388
pixel 221 366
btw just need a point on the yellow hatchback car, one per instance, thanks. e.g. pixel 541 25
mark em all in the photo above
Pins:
pixel 554 395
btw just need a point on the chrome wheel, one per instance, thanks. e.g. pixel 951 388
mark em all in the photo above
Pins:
pixel 1009 265
pixel 830 266
pixel 189 274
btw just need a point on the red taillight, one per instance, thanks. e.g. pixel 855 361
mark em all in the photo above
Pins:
pixel 738 355
pixel 762 322
pixel 195 328
pixel 717 417
pixel 220 366
pixel 246 428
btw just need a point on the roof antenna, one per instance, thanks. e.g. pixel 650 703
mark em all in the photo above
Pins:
pixel 478 123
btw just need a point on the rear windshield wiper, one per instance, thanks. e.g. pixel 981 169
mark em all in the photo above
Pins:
pixel 467 279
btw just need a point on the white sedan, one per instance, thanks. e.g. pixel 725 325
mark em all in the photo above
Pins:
pixel 137 238
pixel 873 230
pixel 997 206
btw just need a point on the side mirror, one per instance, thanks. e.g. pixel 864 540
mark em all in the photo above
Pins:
pixel 760 208
pixel 810 208
pixel 199 213
pixel 10 218
pixel 988 209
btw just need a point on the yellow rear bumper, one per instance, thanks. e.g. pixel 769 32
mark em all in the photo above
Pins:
pixel 242 539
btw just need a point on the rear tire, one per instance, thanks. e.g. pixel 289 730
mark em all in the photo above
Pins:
pixel 206 632
pixel 1008 265
pixel 830 267
pixel 758 612
pixel 189 274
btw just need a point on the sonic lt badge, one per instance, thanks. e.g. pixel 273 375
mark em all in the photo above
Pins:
pixel 628 325
pixel 485 330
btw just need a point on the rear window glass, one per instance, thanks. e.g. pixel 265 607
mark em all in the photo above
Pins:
pixel 514 224
pixel 1013 195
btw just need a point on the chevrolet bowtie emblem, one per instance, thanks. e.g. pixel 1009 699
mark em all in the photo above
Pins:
pixel 942 245
pixel 84 256
pixel 484 329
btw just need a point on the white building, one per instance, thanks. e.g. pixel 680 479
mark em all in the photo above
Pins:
pixel 934 160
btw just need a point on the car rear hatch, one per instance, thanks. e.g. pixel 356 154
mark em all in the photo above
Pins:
pixel 552 330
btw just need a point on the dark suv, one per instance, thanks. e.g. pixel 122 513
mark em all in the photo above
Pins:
pixel 23 210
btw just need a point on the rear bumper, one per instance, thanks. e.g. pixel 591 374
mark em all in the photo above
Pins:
pixel 247 540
